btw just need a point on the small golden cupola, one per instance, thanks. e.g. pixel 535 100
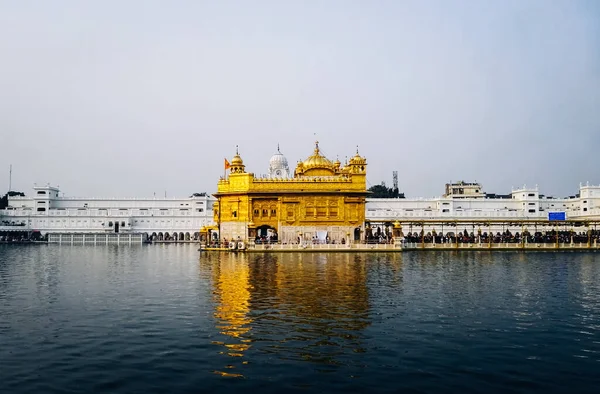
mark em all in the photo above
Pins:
pixel 237 164
pixel 337 164
pixel 357 163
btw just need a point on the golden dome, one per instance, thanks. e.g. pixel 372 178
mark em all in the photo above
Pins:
pixel 316 160
pixel 237 160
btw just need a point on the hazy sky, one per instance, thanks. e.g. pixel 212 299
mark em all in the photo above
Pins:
pixel 128 98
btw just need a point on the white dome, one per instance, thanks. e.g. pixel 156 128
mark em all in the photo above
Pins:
pixel 278 160
pixel 278 165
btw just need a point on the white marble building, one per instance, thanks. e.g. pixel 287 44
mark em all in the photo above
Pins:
pixel 521 203
pixel 182 218
pixel 164 218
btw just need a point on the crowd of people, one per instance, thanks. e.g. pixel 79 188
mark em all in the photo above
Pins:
pixel 21 236
pixel 550 236
pixel 266 239
pixel 385 236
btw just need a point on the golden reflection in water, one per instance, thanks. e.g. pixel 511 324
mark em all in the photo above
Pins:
pixel 329 287
pixel 295 305
pixel 300 306
pixel 231 296
pixel 309 307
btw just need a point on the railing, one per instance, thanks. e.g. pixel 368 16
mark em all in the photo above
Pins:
pixel 69 198
pixel 406 246
pixel 500 246
pixel 95 239
pixel 375 215
pixel 322 247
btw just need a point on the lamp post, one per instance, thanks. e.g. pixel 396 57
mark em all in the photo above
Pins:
pixel 589 236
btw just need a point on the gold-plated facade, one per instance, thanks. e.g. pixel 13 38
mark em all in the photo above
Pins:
pixel 323 201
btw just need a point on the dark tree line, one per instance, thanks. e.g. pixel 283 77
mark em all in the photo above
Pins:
pixel 4 199
pixel 382 191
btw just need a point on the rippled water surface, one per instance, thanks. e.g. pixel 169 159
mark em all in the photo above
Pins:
pixel 158 319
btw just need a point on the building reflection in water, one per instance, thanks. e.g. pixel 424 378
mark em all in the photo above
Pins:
pixel 290 306
pixel 231 296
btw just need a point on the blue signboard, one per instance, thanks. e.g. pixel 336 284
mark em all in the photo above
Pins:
pixel 557 216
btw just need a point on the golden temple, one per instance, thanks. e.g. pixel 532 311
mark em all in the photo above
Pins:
pixel 321 206
pixel 323 200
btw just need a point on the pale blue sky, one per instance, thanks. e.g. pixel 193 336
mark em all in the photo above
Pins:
pixel 128 98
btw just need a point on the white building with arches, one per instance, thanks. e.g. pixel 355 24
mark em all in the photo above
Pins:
pixel 464 202
pixel 46 211
pixel 159 218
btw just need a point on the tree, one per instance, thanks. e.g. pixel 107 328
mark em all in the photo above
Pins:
pixel 4 200
pixel 382 191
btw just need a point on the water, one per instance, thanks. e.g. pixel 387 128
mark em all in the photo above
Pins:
pixel 156 319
